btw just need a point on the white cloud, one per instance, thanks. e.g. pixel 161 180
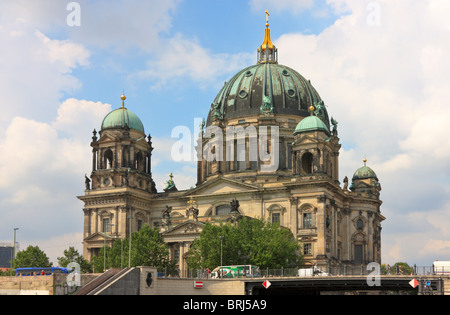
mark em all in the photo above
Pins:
pixel 35 71
pixel 281 5
pixel 185 58
pixel 42 167
pixel 387 85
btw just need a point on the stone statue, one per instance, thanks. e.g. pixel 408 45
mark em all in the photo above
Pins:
pixel 216 113
pixel 166 216
pixel 166 212
pixel 170 184
pixel 234 206
pixel 345 183
pixel 335 124
pixel 266 108
pixel 87 182
pixel 320 110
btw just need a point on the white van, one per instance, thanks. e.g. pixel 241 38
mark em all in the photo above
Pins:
pixel 441 267
pixel 311 272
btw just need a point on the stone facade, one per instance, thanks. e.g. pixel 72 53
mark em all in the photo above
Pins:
pixel 298 185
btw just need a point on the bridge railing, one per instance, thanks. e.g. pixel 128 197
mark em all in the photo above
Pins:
pixel 310 271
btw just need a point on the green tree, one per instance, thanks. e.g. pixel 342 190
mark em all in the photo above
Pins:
pixel 147 249
pixel 31 257
pixel 402 268
pixel 251 241
pixel 71 255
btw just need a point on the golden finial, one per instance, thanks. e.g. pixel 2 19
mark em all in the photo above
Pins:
pixel 123 98
pixel 311 109
pixel 267 18
pixel 365 161
pixel 192 202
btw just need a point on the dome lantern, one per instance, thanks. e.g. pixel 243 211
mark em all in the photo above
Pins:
pixel 267 52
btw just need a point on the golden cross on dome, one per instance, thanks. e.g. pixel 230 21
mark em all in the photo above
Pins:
pixel 267 18
pixel 171 176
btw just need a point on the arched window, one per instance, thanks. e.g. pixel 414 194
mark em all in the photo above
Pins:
pixel 360 224
pixel 139 165
pixel 307 220
pixel 307 163
pixel 223 209
pixel 108 159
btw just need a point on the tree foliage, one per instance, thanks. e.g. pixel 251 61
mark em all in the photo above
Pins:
pixel 31 257
pixel 251 241
pixel 147 249
pixel 71 255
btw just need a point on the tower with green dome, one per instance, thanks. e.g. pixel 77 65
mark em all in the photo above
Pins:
pixel 121 178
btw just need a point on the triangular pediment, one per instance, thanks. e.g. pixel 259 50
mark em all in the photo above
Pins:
pixel 106 136
pixel 99 236
pixel 186 228
pixel 307 139
pixel 222 185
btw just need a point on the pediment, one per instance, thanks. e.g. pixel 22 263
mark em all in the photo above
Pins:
pixel 99 236
pixel 222 185
pixel 361 184
pixel 308 139
pixel 106 136
pixel 186 228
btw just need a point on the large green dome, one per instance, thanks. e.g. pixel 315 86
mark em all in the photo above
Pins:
pixel 122 117
pixel 243 95
pixel 311 123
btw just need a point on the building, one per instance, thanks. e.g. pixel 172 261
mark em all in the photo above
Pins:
pixel 268 149
pixel 6 254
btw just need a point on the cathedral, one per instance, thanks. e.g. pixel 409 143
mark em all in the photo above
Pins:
pixel 268 149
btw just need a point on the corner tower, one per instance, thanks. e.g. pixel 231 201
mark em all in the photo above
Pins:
pixel 118 192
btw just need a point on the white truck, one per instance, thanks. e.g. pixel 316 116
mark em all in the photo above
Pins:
pixel 441 267
pixel 311 272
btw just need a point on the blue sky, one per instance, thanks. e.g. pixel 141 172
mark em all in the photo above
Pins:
pixel 381 67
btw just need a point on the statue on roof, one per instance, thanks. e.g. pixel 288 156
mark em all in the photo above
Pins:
pixel 335 124
pixel 170 184
pixel 267 107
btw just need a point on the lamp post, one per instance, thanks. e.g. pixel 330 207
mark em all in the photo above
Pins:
pixel 221 249
pixel 129 245
pixel 104 247
pixel 14 248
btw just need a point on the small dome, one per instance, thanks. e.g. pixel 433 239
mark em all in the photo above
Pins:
pixel 365 172
pixel 311 123
pixel 122 117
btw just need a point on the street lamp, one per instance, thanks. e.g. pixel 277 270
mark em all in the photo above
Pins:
pixel 104 247
pixel 14 248
pixel 129 245
pixel 221 249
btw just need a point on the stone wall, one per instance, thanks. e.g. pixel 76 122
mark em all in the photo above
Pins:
pixel 37 285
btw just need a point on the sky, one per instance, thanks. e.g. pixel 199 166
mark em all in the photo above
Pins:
pixel 380 66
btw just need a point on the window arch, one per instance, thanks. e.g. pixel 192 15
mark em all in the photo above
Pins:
pixel 139 165
pixel 108 158
pixel 307 163
pixel 359 224
pixel 306 217
pixel 223 209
